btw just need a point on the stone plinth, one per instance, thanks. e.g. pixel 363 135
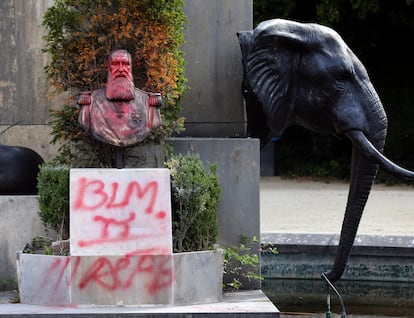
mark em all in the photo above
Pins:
pixel 43 279
pixel 198 277
pixel 121 236
pixel 177 279
pixel 121 248
pixel 20 222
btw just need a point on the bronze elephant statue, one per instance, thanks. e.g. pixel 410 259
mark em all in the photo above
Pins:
pixel 304 74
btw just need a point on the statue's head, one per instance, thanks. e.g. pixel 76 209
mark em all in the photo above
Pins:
pixel 120 84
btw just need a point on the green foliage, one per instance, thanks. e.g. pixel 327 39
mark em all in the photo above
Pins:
pixel 53 184
pixel 81 34
pixel 329 11
pixel 240 264
pixel 39 245
pixel 196 193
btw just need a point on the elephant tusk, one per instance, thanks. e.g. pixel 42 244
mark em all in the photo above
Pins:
pixel 360 141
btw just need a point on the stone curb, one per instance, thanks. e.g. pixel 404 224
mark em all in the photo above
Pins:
pixel 372 245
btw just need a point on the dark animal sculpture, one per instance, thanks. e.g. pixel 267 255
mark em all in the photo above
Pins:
pixel 304 74
pixel 19 167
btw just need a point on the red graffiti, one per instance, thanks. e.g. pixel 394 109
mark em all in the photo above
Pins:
pixel 116 273
pixel 123 235
pixel 130 224
pixel 100 197
pixel 109 275
pixel 93 195
pixel 58 266
pixel 124 224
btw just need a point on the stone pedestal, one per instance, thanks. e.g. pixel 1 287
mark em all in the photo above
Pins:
pixel 121 248
pixel 195 278
pixel 238 170
pixel 121 237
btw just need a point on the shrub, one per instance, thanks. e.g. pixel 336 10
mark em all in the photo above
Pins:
pixel 196 193
pixel 53 184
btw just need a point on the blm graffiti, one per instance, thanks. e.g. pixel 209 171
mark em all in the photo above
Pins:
pixel 120 212
pixel 121 240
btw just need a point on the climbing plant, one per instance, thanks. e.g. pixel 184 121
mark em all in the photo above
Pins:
pixel 80 36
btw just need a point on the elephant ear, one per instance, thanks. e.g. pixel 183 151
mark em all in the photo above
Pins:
pixel 245 41
pixel 272 62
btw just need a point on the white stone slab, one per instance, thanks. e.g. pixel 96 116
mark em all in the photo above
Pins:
pixel 44 279
pixel 120 212
pixel 20 222
pixel 198 277
pixel 122 280
pixel 100 280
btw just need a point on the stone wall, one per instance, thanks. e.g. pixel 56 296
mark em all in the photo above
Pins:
pixel 213 106
pixel 20 222
pixel 24 101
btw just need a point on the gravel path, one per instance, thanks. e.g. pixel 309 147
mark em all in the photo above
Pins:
pixel 301 206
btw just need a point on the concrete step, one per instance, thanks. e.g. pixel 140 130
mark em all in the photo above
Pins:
pixel 241 304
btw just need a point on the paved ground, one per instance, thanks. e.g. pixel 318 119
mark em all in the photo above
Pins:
pixel 303 206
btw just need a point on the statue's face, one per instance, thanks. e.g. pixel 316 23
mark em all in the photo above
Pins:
pixel 120 84
pixel 120 65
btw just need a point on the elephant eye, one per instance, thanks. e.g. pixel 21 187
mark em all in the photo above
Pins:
pixel 340 83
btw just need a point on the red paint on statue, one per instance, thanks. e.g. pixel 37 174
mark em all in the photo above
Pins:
pixel 120 114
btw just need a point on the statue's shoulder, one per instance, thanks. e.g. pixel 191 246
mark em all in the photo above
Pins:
pixel 99 95
pixel 140 92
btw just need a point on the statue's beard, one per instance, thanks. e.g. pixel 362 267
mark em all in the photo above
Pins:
pixel 120 88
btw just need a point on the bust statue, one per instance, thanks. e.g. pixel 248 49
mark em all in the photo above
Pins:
pixel 119 114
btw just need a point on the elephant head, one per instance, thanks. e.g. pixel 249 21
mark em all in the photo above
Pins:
pixel 304 74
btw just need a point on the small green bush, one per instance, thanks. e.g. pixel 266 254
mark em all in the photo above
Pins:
pixel 196 193
pixel 53 184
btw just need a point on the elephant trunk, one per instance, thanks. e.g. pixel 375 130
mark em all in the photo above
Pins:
pixel 362 176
